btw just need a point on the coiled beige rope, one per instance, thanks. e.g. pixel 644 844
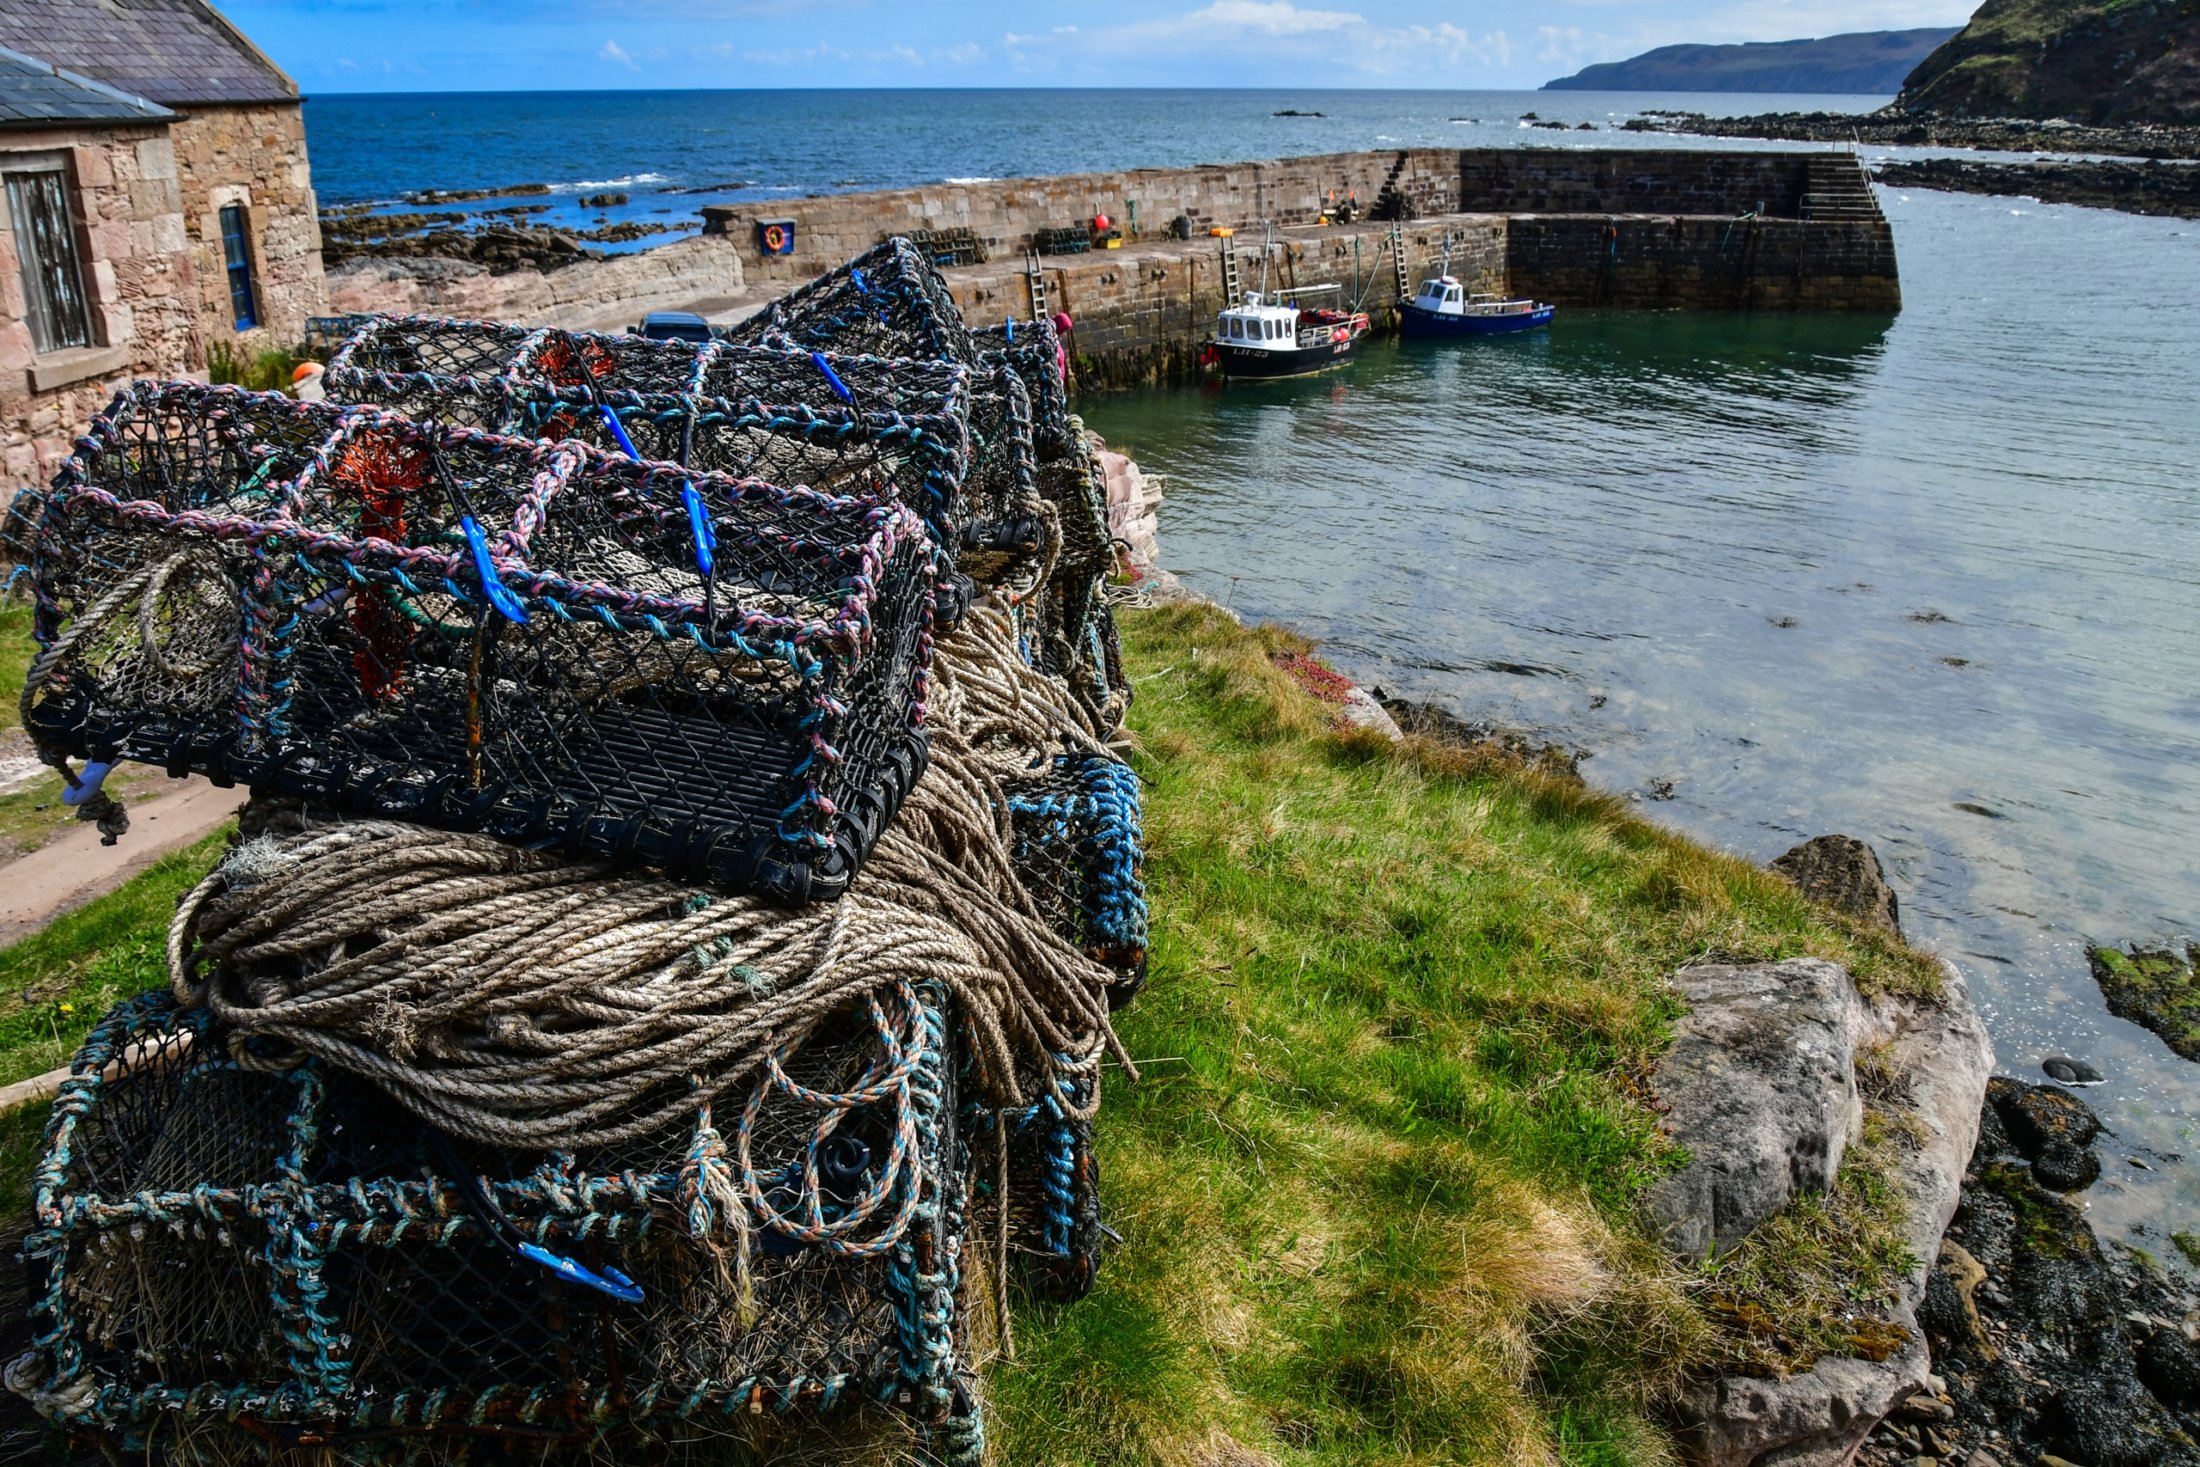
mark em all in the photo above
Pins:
pixel 522 1000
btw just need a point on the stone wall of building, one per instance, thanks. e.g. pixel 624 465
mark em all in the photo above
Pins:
pixel 138 279
pixel 1632 181
pixel 253 155
pixel 1006 213
pixel 1694 263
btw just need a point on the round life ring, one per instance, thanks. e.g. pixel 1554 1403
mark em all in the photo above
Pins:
pixel 775 238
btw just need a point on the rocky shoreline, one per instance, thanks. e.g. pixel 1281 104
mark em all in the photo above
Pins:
pixel 1891 128
pixel 2048 1345
pixel 500 239
pixel 2152 187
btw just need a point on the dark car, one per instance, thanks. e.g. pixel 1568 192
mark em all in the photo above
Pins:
pixel 674 326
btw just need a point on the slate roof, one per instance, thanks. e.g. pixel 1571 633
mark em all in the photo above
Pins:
pixel 174 52
pixel 33 93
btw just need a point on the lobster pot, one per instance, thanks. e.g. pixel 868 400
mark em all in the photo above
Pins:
pixel 500 634
pixel 536 382
pixel 881 428
pixel 1055 1233
pixel 1006 530
pixel 1070 628
pixel 1079 852
pixel 284 1255
pixel 1033 351
pixel 889 301
pixel 842 425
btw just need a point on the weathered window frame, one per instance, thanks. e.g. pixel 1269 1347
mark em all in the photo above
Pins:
pixel 57 302
pixel 237 266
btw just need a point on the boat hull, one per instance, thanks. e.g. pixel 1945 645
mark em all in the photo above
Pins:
pixel 1256 364
pixel 1420 322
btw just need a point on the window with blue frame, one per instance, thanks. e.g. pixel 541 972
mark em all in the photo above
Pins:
pixel 237 255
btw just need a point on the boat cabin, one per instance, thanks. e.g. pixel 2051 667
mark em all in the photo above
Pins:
pixel 1259 325
pixel 1444 295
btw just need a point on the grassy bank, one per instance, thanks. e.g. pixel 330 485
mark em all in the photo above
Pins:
pixel 1377 1186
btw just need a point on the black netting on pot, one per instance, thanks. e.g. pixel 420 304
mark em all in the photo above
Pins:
pixel 1006 530
pixel 718 677
pixel 1079 852
pixel 226 1242
pixel 1033 350
pixel 889 301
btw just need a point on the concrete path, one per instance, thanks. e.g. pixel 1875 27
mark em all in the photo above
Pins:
pixel 75 868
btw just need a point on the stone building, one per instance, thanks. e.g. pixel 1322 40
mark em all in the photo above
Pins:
pixel 159 202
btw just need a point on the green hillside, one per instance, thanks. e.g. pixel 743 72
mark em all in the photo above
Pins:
pixel 2096 61
pixel 1867 62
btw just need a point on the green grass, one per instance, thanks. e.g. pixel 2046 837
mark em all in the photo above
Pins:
pixel 261 371
pixel 55 984
pixel 1378 1181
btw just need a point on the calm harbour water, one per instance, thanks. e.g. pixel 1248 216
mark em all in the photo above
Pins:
pixel 1930 580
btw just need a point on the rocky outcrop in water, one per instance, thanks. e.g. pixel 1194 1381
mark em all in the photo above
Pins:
pixel 2156 987
pixel 2152 187
pixel 1893 127
pixel 1842 872
pixel 2047 1344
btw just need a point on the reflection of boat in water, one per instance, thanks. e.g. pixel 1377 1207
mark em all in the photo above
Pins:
pixel 1442 308
pixel 1271 337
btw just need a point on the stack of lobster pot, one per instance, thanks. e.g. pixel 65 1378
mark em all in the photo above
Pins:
pixel 602 620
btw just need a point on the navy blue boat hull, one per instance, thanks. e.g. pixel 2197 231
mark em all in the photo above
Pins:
pixel 1419 321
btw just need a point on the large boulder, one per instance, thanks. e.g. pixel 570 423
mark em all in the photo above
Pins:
pixel 1843 873
pixel 1939 1056
pixel 1760 1089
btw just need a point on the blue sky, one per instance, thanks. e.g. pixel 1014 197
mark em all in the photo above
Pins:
pixel 464 45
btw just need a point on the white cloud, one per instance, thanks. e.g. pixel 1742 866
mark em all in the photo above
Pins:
pixel 614 52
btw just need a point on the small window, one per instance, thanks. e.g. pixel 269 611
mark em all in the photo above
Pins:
pixel 53 273
pixel 237 256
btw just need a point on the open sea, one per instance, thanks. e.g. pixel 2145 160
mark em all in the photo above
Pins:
pixel 1932 580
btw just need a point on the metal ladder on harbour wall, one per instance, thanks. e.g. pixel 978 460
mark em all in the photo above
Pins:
pixel 1232 292
pixel 1037 280
pixel 1398 260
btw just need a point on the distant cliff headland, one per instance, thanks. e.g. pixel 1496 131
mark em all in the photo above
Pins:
pixel 2104 62
pixel 1873 63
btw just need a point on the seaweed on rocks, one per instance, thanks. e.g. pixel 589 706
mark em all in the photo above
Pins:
pixel 2154 987
pixel 2046 1341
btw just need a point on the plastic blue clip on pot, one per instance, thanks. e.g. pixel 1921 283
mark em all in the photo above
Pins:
pixel 706 533
pixel 840 388
pixel 1009 326
pixel 500 595
pixel 618 430
pixel 475 1196
pixel 857 276
pixel 84 788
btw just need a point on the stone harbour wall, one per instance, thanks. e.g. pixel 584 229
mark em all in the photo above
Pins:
pixel 595 295
pixel 1006 213
pixel 1694 263
pixel 1632 181
pixel 253 156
